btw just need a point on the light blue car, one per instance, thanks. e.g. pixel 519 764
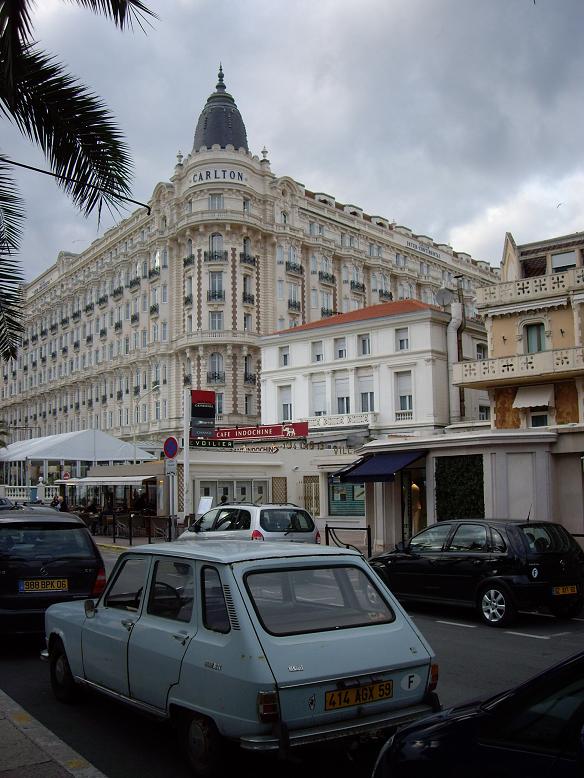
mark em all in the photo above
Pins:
pixel 270 645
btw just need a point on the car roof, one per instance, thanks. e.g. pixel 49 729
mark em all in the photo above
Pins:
pixel 228 551
pixel 516 522
pixel 25 517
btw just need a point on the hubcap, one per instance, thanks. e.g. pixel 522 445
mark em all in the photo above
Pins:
pixel 197 741
pixel 493 605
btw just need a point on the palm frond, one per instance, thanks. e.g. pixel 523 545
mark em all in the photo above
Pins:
pixel 11 279
pixel 15 34
pixel 73 128
pixel 123 12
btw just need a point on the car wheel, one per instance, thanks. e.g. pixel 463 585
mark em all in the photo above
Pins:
pixel 567 610
pixel 62 682
pixel 203 746
pixel 495 606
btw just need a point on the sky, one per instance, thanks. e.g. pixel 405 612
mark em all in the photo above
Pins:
pixel 461 119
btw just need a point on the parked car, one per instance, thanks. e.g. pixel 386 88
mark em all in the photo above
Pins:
pixel 44 559
pixel 496 566
pixel 7 505
pixel 246 521
pixel 536 730
pixel 268 645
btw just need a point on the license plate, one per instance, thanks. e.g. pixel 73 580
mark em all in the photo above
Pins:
pixel 358 695
pixel 565 590
pixel 43 585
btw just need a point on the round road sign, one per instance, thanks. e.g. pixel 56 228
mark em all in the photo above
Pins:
pixel 170 448
pixel 66 476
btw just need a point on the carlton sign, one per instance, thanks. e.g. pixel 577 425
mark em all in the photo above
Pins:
pixel 288 430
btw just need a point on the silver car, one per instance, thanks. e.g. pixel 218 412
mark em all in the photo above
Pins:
pixel 246 521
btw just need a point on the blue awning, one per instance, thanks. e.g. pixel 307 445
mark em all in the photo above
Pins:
pixel 379 467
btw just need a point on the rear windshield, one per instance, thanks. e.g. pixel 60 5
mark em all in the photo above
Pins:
pixel 40 541
pixel 547 538
pixel 285 520
pixel 316 599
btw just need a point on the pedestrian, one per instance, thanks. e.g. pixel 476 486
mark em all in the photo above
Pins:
pixel 55 502
pixel 63 505
pixel 223 499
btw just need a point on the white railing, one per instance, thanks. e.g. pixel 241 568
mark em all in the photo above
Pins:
pixel 538 366
pixel 340 420
pixel 530 288
pixel 20 493
pixel 404 415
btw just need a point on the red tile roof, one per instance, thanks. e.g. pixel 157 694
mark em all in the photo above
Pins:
pixel 395 308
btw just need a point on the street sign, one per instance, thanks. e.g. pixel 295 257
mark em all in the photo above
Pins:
pixel 170 448
pixel 170 467
pixel 206 443
pixel 66 476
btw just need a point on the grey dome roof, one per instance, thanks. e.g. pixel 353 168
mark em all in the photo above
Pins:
pixel 220 121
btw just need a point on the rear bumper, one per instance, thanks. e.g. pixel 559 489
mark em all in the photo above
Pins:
pixel 533 595
pixel 351 728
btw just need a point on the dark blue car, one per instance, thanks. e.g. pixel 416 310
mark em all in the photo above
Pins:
pixel 536 729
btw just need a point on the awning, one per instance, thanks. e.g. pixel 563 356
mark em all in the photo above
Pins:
pixel 112 480
pixel 534 396
pixel 379 467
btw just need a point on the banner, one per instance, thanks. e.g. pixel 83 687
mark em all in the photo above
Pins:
pixel 287 430
pixel 202 413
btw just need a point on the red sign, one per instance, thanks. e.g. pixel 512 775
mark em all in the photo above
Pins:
pixel 202 413
pixel 170 448
pixel 66 476
pixel 296 429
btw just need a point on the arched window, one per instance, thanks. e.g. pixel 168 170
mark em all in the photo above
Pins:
pixel 145 269
pixel 216 363
pixel 189 247
pixel 284 217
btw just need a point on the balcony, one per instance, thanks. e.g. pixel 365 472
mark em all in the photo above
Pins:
pixel 187 380
pixel 117 326
pixel 216 295
pixel 217 377
pixel 326 312
pixel 89 339
pixel 103 399
pixel 134 319
pixel 215 256
pixel 77 406
pixel 189 261
pixel 249 378
pixel 341 420
pixel 326 278
pixel 248 299
pixel 137 390
pixel 54 328
pixel 64 350
pixel 154 272
pixel 76 315
pixel 385 294
pixel 90 403
pixel 154 310
pixel 294 305
pixel 119 395
pixel 53 355
pixel 118 292
pixel 404 416
pixel 542 366
pixel 531 289
pixel 102 300
pixel 65 321
pixel 88 309
pixel 134 284
pixel 76 345
pixel 247 259
pixel 44 333
pixel 103 333
pixel 294 268
pixel 188 299
pixel 357 286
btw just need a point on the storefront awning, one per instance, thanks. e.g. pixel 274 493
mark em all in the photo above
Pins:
pixel 379 467
pixel 534 396
pixel 112 480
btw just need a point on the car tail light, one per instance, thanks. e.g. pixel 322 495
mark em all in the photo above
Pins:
pixel 257 535
pixel 268 707
pixel 433 680
pixel 99 584
pixel 317 538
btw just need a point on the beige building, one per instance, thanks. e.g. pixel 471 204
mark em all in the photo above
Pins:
pixel 179 295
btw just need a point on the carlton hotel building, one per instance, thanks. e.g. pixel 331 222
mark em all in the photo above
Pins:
pixel 181 295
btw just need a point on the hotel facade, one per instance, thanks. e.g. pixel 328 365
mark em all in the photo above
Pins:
pixel 180 295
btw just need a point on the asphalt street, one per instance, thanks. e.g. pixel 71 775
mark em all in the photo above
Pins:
pixel 475 660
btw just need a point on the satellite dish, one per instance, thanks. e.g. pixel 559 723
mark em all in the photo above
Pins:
pixel 444 297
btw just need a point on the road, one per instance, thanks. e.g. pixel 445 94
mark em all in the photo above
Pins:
pixel 475 660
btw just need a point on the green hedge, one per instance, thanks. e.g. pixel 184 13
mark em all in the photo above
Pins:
pixel 459 487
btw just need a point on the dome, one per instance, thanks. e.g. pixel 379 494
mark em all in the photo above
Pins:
pixel 220 121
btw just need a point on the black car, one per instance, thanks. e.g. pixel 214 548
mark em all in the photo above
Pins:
pixel 535 730
pixel 7 505
pixel 495 566
pixel 44 558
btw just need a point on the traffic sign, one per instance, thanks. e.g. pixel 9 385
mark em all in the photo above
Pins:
pixel 170 448
pixel 170 467
pixel 66 476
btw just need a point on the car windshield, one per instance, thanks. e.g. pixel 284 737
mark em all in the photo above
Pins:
pixel 546 538
pixel 316 599
pixel 285 520
pixel 38 541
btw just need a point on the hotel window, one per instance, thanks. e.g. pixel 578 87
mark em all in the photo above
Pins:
pixel 216 321
pixel 285 403
pixel 367 402
pixel 164 331
pixel 246 206
pixel 319 398
pixel 364 345
pixel 219 403
pixel 563 262
pixel 155 333
pixel 403 382
pixel 340 348
pixel 281 323
pixel 313 298
pixel 279 254
pixel 126 312
pixel 342 395
pixel 144 302
pixel 534 335
pixel 293 293
pixel 247 322
pixel 164 257
pixel 280 289
pixel 247 405
pixel 284 356
pixel 216 243
pixel 189 323
pixel 216 284
pixel 484 413
pixel 313 264
pixel 144 338
pixel 317 351
pixel 482 351
pixel 424 269
pixel 538 418
pixel 402 339
pixel 154 295
pixel 145 269
pixel 157 410
pixel 156 260
pixel 164 293
pixel 284 217
pixel 400 260
pixel 215 202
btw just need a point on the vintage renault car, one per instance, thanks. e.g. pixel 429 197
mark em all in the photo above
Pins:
pixel 268 645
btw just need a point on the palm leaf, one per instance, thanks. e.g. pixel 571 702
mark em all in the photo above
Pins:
pixel 122 12
pixel 15 30
pixel 11 218
pixel 73 128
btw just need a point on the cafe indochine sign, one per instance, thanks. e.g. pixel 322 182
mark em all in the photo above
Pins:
pixel 287 431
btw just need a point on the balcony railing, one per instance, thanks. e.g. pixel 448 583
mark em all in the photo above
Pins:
pixel 216 295
pixel 294 305
pixel 154 310
pixel 541 366
pixel 64 321
pixel 118 292
pixel 215 256
pixel 249 378
pixel 357 286
pixel 384 294
pixel 76 315
pixel 326 278
pixel 216 377
pixel 103 332
pixel 326 312
pixel 188 299
pixel 404 415
pixel 189 261
pixel 88 309
pixel 117 326
pixel 538 287
pixel 341 420
pixel 248 299
pixel 134 284
pixel 45 332
pixel 247 259
pixel 154 272
pixel 102 300
pixel 294 268
pixel 134 318
pixel 54 328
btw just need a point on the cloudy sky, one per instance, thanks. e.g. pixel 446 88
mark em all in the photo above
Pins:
pixel 461 119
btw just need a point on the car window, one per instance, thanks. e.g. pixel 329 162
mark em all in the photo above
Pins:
pixel 204 522
pixel 543 538
pixel 227 519
pixel 39 541
pixel 431 539
pixel 285 520
pixel 469 537
pixel 244 520
pixel 316 599
pixel 128 587
pixel 215 614
pixel 547 717
pixel 172 590
pixel 497 543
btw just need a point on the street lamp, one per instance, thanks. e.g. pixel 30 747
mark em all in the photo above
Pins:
pixel 155 388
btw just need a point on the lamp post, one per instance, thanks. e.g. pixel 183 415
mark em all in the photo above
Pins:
pixel 155 388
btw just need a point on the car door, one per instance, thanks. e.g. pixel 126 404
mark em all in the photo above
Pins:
pixel 414 572
pixel 160 638
pixel 464 563
pixel 105 635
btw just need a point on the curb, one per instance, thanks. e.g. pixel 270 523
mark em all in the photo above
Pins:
pixel 111 547
pixel 55 749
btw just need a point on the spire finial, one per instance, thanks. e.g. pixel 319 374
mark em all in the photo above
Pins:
pixel 220 85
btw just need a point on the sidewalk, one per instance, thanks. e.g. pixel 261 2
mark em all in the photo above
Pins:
pixel 29 750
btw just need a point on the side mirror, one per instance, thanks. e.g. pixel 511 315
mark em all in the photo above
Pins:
pixel 401 546
pixel 90 609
